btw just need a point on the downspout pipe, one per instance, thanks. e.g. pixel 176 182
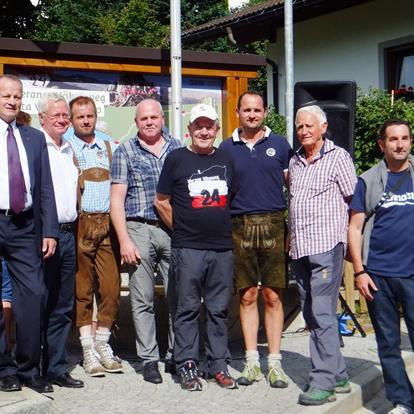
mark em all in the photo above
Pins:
pixel 274 68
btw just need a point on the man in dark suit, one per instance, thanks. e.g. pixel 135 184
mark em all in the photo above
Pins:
pixel 28 229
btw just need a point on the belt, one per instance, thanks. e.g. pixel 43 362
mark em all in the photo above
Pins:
pixel 10 213
pixel 67 227
pixel 155 223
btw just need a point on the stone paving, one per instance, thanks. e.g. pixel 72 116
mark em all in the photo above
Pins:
pixel 127 392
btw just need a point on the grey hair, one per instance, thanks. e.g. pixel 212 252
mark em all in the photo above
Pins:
pixel 43 103
pixel 12 78
pixel 147 100
pixel 314 110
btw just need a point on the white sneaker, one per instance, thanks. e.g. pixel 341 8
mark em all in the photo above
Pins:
pixel 106 357
pixel 91 364
pixel 401 409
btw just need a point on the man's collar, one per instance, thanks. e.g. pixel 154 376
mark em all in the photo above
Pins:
pixel 82 144
pixel 327 146
pixel 4 125
pixel 236 134
pixel 50 141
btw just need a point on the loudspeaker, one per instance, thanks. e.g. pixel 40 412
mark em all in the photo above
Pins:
pixel 338 100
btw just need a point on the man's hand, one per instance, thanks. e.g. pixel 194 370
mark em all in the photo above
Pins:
pixel 48 247
pixel 130 253
pixel 364 284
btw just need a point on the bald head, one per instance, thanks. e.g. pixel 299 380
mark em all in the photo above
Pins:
pixel 11 91
pixel 149 119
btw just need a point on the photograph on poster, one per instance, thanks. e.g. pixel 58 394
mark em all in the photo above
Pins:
pixel 116 95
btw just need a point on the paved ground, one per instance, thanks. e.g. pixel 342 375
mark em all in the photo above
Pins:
pixel 127 392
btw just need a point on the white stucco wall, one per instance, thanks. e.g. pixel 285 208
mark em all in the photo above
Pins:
pixel 345 45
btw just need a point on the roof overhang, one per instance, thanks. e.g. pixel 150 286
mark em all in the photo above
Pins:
pixel 260 21
pixel 122 54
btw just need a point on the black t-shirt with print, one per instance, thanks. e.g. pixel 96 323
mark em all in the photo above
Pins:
pixel 199 186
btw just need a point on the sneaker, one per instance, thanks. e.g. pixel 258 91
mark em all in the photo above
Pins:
pixel 401 409
pixel 276 376
pixel 314 396
pixel 189 378
pixel 250 374
pixel 106 357
pixel 225 380
pixel 91 365
pixel 343 386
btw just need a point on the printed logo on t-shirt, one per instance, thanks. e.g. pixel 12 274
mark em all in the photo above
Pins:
pixel 270 152
pixel 208 188
pixel 399 200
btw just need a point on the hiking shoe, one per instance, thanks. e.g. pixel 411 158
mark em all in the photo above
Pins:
pixel 343 386
pixel 401 409
pixel 189 378
pixel 225 380
pixel 276 376
pixel 106 357
pixel 250 374
pixel 314 396
pixel 91 365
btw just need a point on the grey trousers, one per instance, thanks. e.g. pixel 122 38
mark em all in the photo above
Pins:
pixel 319 277
pixel 154 247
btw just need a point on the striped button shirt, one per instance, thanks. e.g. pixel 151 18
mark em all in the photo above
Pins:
pixel 140 169
pixel 318 212
pixel 95 198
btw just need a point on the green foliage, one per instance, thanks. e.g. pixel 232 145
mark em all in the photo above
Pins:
pixel 16 18
pixel 275 121
pixel 372 110
pixel 138 23
pixel 195 13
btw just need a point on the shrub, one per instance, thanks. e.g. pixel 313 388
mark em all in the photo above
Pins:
pixel 372 110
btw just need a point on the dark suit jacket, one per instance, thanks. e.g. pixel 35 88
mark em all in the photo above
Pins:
pixel 44 205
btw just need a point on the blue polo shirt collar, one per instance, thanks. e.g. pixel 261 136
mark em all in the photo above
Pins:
pixel 236 135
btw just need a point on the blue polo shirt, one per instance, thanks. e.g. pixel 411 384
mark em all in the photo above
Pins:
pixel 258 173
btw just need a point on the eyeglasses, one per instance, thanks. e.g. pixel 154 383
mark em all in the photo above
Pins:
pixel 55 117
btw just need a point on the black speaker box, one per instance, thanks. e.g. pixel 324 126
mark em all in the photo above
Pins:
pixel 338 100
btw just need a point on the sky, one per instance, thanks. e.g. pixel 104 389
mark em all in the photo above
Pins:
pixel 236 3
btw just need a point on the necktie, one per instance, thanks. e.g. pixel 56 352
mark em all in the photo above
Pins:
pixel 17 187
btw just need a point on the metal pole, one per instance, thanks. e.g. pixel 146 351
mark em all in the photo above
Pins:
pixel 289 69
pixel 175 51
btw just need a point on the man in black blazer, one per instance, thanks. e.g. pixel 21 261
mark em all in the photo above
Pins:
pixel 28 232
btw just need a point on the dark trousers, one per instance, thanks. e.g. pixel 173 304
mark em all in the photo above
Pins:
pixel 195 274
pixel 385 317
pixel 60 296
pixel 20 247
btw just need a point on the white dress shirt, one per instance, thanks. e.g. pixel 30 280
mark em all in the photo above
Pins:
pixel 4 166
pixel 65 179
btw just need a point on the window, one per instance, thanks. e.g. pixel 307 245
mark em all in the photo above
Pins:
pixel 400 70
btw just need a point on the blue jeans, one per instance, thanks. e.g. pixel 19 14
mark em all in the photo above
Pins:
pixel 6 288
pixel 385 317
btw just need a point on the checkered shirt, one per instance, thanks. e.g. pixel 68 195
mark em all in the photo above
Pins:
pixel 95 198
pixel 318 213
pixel 140 169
